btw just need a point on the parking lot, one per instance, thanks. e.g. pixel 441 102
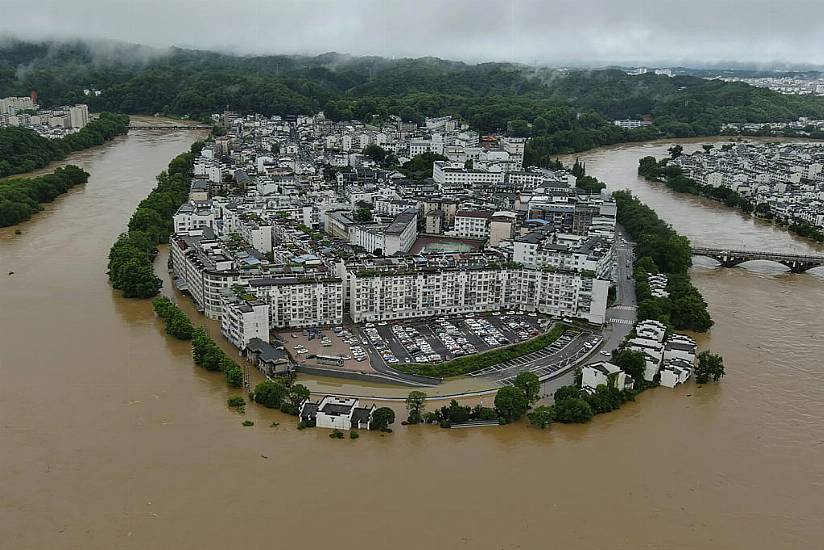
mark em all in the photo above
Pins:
pixel 303 344
pixel 444 338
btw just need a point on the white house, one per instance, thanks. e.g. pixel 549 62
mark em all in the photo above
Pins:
pixel 341 413
pixel 600 373
pixel 653 354
pixel 651 330
pixel 679 346
pixel 674 372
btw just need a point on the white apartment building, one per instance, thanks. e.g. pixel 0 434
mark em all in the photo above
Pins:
pixel 301 302
pixel 79 116
pixel 674 372
pixel 398 236
pixel 191 216
pixel 455 175
pixel 472 224
pixel 539 250
pixel 653 352
pixel 242 319
pixel 631 124
pixel 407 291
pixel 256 233
pixel 11 105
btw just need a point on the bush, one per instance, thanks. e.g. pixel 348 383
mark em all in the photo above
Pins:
pixel 541 416
pixel 336 434
pixel 354 435
pixel 248 423
pixel 236 401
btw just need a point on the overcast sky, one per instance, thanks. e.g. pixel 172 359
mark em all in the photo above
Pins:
pixel 594 32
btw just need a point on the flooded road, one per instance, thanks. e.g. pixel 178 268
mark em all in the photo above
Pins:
pixel 111 438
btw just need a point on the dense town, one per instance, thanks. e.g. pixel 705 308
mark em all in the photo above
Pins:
pixel 300 224
pixel 784 180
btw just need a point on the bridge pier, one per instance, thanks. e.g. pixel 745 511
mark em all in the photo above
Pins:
pixel 799 267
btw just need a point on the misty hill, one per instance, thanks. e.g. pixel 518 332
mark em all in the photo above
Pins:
pixel 564 111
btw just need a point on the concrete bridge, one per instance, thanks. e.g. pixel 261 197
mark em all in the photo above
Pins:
pixel 798 263
pixel 168 126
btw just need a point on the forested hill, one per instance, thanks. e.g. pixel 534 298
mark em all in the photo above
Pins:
pixel 563 112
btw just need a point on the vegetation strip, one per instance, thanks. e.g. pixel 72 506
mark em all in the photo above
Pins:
pixel 130 258
pixel 23 150
pixel 471 363
pixel 660 249
pixel 20 198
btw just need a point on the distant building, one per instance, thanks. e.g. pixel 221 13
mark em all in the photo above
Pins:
pixel 631 124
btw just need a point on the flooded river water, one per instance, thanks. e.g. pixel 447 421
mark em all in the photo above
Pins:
pixel 111 438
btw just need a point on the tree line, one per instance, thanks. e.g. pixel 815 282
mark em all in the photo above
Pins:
pixel 561 112
pixel 23 150
pixel 177 323
pixel 660 249
pixel 131 257
pixel 20 198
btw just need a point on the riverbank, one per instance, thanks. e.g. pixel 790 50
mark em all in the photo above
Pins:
pixel 25 150
pixel 659 171
pixel 21 198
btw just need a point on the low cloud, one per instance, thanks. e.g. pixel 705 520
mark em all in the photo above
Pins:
pixel 560 32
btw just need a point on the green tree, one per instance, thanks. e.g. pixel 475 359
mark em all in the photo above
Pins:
pixel 270 394
pixel 415 404
pixel 631 362
pixel 363 214
pixel 234 376
pixel 382 418
pixel 511 403
pixel 572 411
pixel 137 279
pixel 567 392
pixel 298 393
pixel 375 152
pixel 541 416
pixel 710 366
pixel 675 151
pixel 528 383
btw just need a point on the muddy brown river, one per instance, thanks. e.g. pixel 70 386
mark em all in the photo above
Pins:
pixel 111 438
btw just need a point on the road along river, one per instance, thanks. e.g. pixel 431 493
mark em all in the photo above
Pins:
pixel 111 438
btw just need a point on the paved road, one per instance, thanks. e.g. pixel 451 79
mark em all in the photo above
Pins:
pixel 546 362
pixel 556 368
pixel 621 316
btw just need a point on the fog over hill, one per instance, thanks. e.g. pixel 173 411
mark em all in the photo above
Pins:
pixel 749 33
